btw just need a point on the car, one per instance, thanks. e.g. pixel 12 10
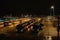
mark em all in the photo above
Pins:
pixel 20 29
pixel 41 26
pixel 36 28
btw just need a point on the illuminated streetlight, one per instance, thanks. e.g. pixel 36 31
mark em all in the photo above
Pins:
pixel 52 7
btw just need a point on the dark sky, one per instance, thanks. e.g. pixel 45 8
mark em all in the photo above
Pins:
pixel 41 7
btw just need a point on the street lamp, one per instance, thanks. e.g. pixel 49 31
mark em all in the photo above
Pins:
pixel 52 7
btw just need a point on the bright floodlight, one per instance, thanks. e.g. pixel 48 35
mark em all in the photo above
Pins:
pixel 52 7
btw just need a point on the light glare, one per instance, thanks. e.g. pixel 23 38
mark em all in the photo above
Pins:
pixel 52 7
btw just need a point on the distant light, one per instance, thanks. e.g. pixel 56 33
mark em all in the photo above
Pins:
pixel 49 37
pixel 28 29
pixel 52 7
pixel 1 20
pixel 49 17
pixel 31 27
pixel 13 18
pixel 21 30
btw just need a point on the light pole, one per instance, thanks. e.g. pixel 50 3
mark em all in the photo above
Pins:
pixel 52 7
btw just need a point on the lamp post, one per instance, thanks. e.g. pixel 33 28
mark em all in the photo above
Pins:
pixel 52 7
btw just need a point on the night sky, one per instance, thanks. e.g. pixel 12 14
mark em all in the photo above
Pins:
pixel 36 7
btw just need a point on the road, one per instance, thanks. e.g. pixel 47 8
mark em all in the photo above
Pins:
pixel 48 30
